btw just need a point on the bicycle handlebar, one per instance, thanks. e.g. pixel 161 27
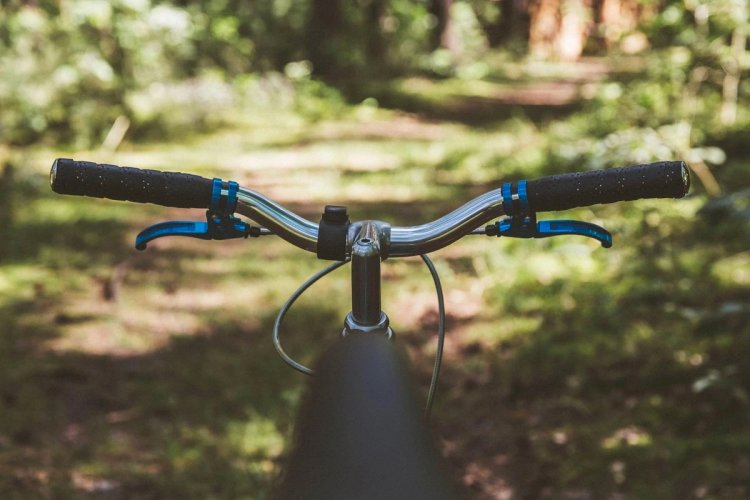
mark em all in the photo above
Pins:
pixel 169 189
pixel 664 179
pixel 668 179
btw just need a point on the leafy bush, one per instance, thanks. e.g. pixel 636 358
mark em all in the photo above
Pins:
pixel 65 73
pixel 69 70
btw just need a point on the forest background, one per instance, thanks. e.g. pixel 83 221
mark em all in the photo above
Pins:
pixel 571 371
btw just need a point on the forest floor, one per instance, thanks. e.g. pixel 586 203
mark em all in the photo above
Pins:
pixel 570 371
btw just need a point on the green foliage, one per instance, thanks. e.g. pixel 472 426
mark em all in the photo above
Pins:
pixel 70 69
pixel 408 29
pixel 68 72
pixel 696 22
pixel 240 37
pixel 104 51
pixel 674 107
pixel 464 59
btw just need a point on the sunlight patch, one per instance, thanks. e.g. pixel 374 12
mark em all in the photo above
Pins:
pixel 627 436
pixel 102 328
pixel 15 281
pixel 733 270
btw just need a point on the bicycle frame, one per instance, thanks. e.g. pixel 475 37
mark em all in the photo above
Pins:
pixel 360 433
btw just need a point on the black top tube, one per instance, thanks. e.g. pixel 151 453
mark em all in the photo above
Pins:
pixel 360 433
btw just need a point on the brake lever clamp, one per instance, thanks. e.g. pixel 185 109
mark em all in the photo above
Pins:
pixel 525 225
pixel 221 224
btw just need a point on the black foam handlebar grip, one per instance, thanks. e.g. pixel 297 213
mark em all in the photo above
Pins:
pixel 664 179
pixel 170 189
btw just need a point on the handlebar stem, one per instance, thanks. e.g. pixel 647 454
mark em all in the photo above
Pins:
pixel 366 253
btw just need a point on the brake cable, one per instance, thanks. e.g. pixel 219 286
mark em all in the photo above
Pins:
pixel 320 274
pixel 440 336
pixel 285 308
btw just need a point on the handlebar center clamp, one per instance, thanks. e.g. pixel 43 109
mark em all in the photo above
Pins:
pixel 332 231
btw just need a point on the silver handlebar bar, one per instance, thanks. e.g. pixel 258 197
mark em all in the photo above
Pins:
pixel 404 241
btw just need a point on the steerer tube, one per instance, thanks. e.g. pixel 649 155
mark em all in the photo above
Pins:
pixel 366 282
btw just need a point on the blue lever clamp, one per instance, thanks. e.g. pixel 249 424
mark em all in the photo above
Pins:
pixel 522 222
pixel 220 222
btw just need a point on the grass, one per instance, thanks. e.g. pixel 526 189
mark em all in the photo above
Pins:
pixel 571 371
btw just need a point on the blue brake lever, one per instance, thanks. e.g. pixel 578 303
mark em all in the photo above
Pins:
pixel 220 223
pixel 218 227
pixel 547 228
pixel 526 226
pixel 172 228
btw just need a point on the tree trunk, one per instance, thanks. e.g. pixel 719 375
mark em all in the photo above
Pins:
pixel 375 44
pixel 513 23
pixel 733 72
pixel 7 213
pixel 545 22
pixel 559 28
pixel 618 19
pixel 575 27
pixel 324 33
pixel 444 35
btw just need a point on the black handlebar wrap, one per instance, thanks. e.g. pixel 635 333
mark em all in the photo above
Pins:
pixel 170 189
pixel 665 179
